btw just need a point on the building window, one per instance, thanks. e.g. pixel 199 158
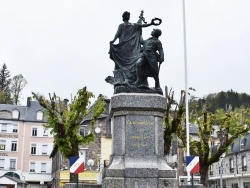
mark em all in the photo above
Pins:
pixel 246 185
pixel 212 132
pixel 12 164
pixel 32 166
pixel 83 131
pixel 15 114
pixel 211 170
pixel 244 163
pixel 4 127
pixel 242 144
pixel 34 131
pixel 43 167
pixel 231 163
pixel 44 149
pixel 235 185
pixel 1 164
pixel 2 144
pixel 39 116
pixel 15 128
pixel 33 149
pixel 212 143
pixel 196 181
pixel 14 146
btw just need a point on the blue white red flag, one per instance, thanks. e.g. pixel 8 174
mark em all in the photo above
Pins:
pixel 76 164
pixel 193 164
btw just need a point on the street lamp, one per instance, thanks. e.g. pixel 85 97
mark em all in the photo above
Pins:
pixel 91 163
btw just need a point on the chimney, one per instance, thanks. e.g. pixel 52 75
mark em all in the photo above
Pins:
pixel 66 102
pixel 28 101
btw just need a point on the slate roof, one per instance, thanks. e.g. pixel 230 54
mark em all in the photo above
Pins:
pixel 27 113
pixel 103 115
pixel 236 145
pixel 247 143
pixel 32 110
pixel 10 108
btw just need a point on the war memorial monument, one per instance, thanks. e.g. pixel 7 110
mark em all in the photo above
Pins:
pixel 137 110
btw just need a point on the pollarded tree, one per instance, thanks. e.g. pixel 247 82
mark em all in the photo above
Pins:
pixel 232 124
pixel 173 119
pixel 17 84
pixel 65 120
pixel 5 82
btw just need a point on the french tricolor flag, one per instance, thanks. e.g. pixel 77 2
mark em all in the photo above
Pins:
pixel 76 164
pixel 193 164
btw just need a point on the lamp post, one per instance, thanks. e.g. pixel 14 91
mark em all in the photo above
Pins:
pixel 94 163
pixel 91 163
pixel 221 168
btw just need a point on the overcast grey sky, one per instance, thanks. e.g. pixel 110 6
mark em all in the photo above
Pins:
pixel 62 45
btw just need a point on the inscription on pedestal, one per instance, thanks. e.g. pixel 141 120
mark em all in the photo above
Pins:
pixel 140 135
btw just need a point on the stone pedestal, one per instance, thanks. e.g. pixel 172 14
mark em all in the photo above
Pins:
pixel 137 159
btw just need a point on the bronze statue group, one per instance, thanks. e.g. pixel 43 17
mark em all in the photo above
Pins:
pixel 136 59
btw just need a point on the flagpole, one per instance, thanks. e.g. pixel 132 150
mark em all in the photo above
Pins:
pixel 186 86
pixel 77 180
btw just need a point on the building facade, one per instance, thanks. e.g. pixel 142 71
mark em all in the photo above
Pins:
pixel 234 167
pixel 25 144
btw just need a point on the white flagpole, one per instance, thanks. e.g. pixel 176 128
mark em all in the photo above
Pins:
pixel 186 86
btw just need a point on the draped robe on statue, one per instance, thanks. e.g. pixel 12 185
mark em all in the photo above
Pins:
pixel 127 51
